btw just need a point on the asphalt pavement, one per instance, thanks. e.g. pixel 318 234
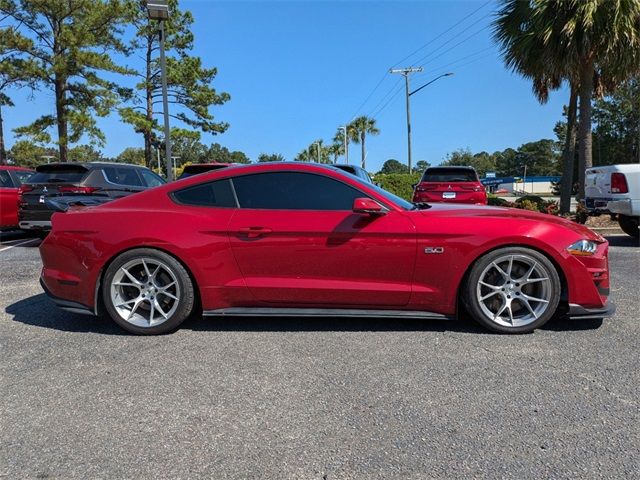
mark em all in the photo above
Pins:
pixel 314 398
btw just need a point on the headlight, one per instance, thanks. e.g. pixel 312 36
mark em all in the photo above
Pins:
pixel 582 247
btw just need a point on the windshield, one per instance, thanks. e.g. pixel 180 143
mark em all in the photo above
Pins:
pixel 449 175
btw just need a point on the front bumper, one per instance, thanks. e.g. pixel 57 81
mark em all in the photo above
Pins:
pixel 578 312
pixel 66 305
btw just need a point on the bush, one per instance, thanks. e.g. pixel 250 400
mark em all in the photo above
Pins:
pixel 496 201
pixel 538 201
pixel 528 205
pixel 400 184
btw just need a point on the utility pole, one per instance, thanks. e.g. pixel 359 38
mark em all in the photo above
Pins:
pixel 346 144
pixel 405 72
pixel 174 165
pixel 317 144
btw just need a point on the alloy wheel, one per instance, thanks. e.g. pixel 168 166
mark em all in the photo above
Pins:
pixel 145 292
pixel 514 290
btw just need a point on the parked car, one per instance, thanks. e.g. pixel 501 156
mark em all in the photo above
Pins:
pixel 450 185
pixel 615 189
pixel 198 168
pixel 94 182
pixel 10 180
pixel 296 239
pixel 361 173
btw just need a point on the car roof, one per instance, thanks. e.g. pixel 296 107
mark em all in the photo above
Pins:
pixel 211 164
pixel 89 165
pixel 452 167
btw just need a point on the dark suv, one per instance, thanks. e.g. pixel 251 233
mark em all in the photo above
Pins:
pixel 81 183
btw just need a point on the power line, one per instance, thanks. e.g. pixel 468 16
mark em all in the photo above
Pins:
pixel 451 40
pixel 370 95
pixel 443 33
pixel 440 35
pixel 386 95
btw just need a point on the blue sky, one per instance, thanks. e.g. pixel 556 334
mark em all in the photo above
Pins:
pixel 297 70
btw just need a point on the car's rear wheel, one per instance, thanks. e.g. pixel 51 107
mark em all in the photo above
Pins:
pixel 512 290
pixel 147 292
pixel 629 225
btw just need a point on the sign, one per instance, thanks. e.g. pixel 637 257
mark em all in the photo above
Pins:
pixel 490 175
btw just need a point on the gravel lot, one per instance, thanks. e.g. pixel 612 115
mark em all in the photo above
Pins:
pixel 316 399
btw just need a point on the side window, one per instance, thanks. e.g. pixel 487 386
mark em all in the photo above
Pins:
pixel 213 194
pixel 294 191
pixel 123 176
pixel 151 179
pixel 5 179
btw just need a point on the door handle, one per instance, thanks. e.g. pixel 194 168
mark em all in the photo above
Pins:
pixel 253 232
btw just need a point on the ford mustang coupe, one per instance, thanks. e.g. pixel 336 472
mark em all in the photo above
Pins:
pixel 293 239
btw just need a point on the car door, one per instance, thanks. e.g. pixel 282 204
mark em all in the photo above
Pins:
pixel 297 241
pixel 8 200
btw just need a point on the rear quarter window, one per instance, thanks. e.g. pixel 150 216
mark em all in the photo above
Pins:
pixel 213 194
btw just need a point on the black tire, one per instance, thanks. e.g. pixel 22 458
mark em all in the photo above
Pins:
pixel 184 292
pixel 544 267
pixel 629 225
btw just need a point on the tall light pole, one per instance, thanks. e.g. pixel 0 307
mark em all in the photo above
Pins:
pixel 346 144
pixel 159 10
pixel 405 72
pixel 174 163
pixel 317 144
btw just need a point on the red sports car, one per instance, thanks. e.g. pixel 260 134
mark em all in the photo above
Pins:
pixel 283 239
pixel 11 178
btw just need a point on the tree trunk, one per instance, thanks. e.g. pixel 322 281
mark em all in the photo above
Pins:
pixel 585 154
pixel 3 154
pixel 569 154
pixel 364 154
pixel 148 154
pixel 61 117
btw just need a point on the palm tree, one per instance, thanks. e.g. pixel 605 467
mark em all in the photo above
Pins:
pixel 517 32
pixel 344 143
pixel 595 44
pixel 358 130
pixel 335 150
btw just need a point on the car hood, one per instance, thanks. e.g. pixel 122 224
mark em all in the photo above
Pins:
pixel 467 211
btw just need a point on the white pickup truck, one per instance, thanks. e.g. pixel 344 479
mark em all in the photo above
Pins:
pixel 615 189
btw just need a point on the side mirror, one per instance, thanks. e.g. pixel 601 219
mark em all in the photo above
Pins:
pixel 368 206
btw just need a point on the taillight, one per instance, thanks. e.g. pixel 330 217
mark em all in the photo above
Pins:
pixel 619 183
pixel 25 189
pixel 85 190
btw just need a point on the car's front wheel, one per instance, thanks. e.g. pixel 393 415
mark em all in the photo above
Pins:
pixel 512 290
pixel 147 292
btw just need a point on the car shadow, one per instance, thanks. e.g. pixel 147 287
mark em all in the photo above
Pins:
pixel 622 241
pixel 39 311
